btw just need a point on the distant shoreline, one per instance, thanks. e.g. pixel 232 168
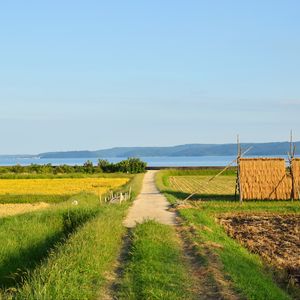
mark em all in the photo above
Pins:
pixel 152 162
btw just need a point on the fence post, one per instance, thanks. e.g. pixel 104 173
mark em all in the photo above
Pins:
pixel 129 192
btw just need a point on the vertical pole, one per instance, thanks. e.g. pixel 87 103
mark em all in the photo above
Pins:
pixel 239 151
pixel 291 158
pixel 129 192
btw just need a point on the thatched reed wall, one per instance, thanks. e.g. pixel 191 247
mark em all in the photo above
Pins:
pixel 264 179
pixel 296 175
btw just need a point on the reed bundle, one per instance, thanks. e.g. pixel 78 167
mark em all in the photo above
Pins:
pixel 264 179
pixel 296 175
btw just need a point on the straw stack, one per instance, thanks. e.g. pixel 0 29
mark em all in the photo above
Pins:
pixel 296 175
pixel 264 179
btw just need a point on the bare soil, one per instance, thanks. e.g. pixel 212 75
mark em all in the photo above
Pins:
pixel 276 238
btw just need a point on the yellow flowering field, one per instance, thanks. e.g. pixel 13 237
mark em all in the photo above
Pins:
pixel 65 186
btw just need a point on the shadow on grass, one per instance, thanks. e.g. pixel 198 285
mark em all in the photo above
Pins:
pixel 13 269
pixel 202 197
pixel 21 262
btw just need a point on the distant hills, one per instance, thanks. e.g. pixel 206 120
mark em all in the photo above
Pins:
pixel 259 149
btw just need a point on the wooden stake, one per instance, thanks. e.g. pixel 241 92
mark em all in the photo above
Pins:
pixel 129 192
pixel 238 169
pixel 291 158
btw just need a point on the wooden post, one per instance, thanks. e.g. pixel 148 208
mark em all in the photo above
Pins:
pixel 99 196
pixel 239 151
pixel 291 158
pixel 129 192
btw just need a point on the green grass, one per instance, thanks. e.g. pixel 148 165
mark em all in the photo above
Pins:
pixel 245 269
pixel 25 240
pixel 155 268
pixel 5 199
pixel 249 275
pixel 28 238
pixel 63 252
pixel 76 269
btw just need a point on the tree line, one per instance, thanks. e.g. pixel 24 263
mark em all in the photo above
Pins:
pixel 130 165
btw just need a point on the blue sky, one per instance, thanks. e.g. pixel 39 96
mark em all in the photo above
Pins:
pixel 98 74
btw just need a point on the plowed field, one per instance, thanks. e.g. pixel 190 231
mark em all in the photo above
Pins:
pixel 276 238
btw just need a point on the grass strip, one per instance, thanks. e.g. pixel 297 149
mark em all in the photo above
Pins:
pixel 77 269
pixel 155 269
pixel 7 199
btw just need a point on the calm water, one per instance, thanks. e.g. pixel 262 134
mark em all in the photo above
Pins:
pixel 152 161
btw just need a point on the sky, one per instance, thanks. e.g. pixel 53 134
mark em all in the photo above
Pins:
pixel 78 75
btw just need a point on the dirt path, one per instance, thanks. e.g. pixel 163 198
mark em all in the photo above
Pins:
pixel 150 204
pixel 16 209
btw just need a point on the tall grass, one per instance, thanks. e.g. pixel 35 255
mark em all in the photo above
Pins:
pixel 76 269
pixel 25 240
pixel 78 244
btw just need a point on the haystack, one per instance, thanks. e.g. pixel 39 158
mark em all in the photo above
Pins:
pixel 264 179
pixel 296 176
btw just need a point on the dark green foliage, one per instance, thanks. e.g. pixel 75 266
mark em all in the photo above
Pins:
pixel 103 165
pixel 88 167
pixel 130 165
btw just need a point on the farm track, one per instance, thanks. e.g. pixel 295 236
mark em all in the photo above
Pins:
pixel 149 205
pixel 115 276
pixel 208 281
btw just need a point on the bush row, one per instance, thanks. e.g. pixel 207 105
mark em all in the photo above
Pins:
pixel 130 165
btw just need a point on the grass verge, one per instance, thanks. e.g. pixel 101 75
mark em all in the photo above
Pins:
pixel 155 267
pixel 245 269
